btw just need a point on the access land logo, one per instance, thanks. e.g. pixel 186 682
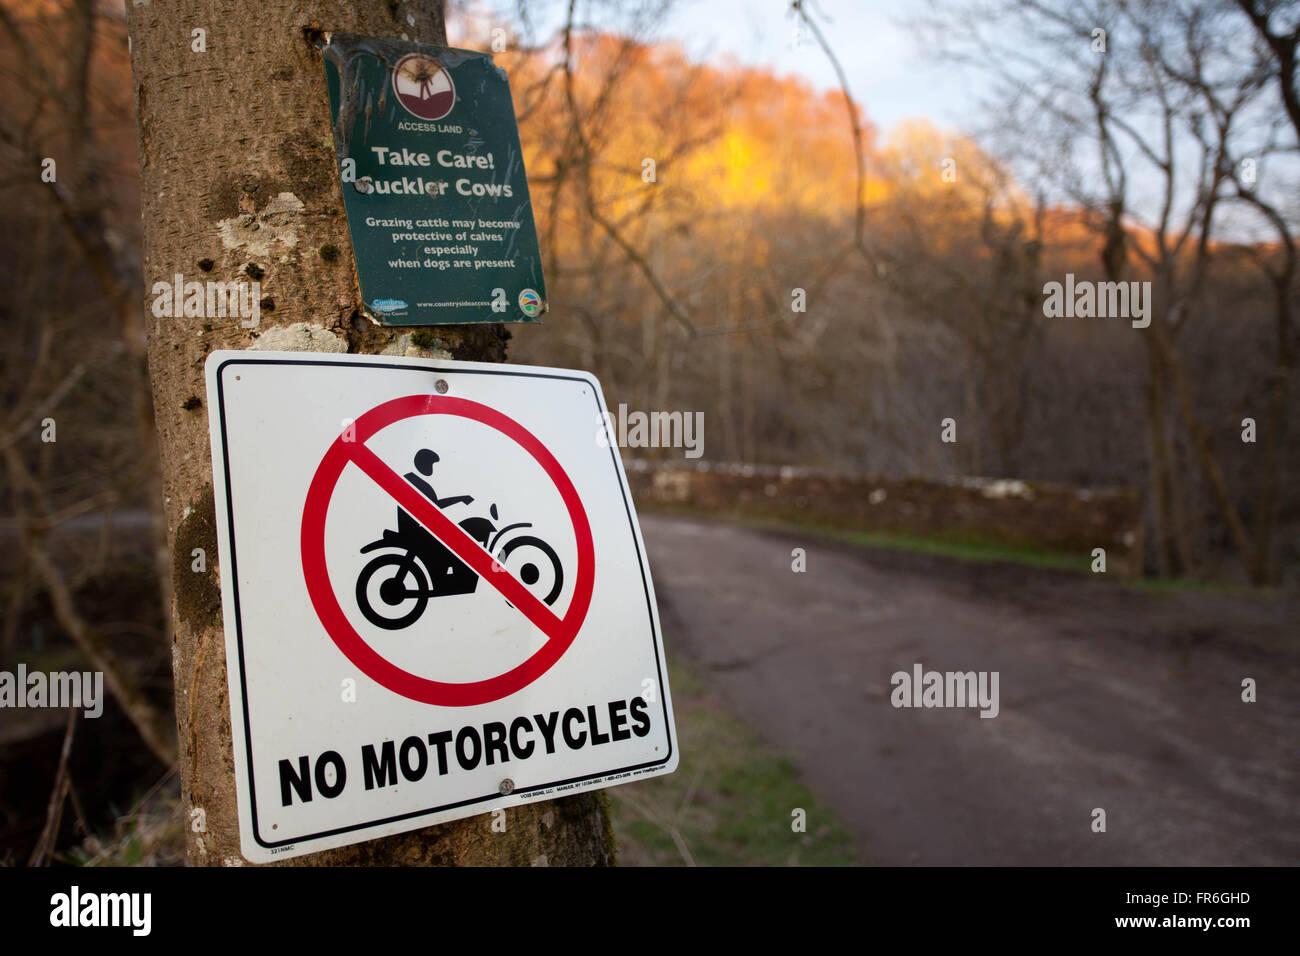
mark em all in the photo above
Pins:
pixel 423 86
pixel 530 303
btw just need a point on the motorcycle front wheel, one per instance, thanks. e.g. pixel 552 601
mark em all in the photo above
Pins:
pixel 526 566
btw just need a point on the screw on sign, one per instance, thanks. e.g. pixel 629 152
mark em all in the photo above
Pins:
pixel 429 556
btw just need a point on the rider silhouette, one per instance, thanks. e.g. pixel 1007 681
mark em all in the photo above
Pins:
pixel 448 574
pixel 424 462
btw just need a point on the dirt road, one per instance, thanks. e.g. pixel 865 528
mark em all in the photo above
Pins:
pixel 1109 698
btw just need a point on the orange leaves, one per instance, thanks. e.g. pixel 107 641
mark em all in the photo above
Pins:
pixel 659 143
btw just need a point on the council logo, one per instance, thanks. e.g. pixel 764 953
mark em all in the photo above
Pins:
pixel 530 302
pixel 423 86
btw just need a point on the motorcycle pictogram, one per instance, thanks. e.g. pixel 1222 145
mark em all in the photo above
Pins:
pixel 394 589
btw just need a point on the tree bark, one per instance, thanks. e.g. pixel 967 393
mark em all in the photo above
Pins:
pixel 239 181
pixel 1158 467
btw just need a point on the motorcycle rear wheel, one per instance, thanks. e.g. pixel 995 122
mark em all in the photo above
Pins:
pixel 421 593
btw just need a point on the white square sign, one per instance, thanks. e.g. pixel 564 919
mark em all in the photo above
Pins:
pixel 436 598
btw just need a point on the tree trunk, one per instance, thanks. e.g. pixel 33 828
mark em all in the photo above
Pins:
pixel 1274 435
pixel 1200 439
pixel 1158 467
pixel 239 181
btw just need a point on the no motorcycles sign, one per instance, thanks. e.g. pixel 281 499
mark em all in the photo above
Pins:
pixel 436 597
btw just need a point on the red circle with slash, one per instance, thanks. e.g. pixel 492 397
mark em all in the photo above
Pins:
pixel 560 631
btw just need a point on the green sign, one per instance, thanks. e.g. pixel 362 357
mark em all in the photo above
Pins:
pixel 433 182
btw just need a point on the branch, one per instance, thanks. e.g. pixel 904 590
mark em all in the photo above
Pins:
pixel 154 727
pixel 49 404
pixel 58 794
pixel 610 229
pixel 860 211
pixel 1284 48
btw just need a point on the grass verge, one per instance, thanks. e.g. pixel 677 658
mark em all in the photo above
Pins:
pixel 964 549
pixel 953 546
pixel 728 804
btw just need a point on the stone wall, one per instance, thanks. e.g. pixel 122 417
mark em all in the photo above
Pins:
pixel 1008 512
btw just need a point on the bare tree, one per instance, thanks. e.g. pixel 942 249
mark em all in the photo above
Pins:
pixel 1280 62
pixel 60 158
pixel 1138 113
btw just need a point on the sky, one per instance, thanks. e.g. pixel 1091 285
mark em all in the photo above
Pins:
pixel 888 72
